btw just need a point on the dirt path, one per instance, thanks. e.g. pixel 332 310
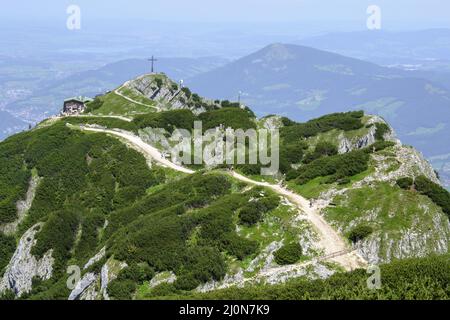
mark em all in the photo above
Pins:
pixel 117 91
pixel 330 240
pixel 100 116
pixel 144 147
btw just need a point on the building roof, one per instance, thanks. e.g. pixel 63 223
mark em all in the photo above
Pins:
pixel 80 99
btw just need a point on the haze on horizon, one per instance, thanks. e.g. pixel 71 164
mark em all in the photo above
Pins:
pixel 328 14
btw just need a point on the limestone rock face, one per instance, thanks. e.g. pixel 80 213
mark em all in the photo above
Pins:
pixel 163 277
pixel 107 275
pixel 273 122
pixel 22 207
pixel 84 288
pixel 104 280
pixel 424 234
pixel 382 248
pixel 23 266
pixel 347 145
pixel 167 94
pixel 96 258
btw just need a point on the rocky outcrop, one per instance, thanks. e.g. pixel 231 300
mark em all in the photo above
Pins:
pixel 23 266
pixel 94 285
pixel 95 258
pixel 312 270
pixel 22 207
pixel 85 288
pixel 411 242
pixel 230 280
pixel 163 277
pixel 416 238
pixel 349 144
pixel 104 281
pixel 265 257
pixel 109 272
pixel 166 93
pixel 388 136
pixel 272 122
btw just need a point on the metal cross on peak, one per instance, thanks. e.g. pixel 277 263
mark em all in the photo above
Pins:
pixel 153 60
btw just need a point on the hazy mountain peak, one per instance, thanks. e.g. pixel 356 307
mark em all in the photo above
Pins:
pixel 278 52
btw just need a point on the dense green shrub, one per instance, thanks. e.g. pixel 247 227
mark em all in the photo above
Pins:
pixel 228 104
pixel 337 167
pixel 138 273
pixel 288 254
pixel 160 239
pixel 7 248
pixel 249 215
pixel 411 279
pixel 14 177
pixel 341 121
pixel 234 118
pixel 168 120
pixel 187 92
pixel 359 233
pixel 82 171
pixel 52 289
pixel 238 246
pixel 7 295
pixel 268 203
pixel 250 169
pixel 285 121
pixel 253 211
pixel 201 264
pixel 322 149
pixel 159 82
pixel 84 177
pixel 405 183
pixel 87 244
pixel 292 152
pixel 94 105
pixel 344 181
pixel 435 192
pixel 381 130
pixel 121 289
pixel 58 234
pixel 380 145
pixel 163 289
pixel 191 191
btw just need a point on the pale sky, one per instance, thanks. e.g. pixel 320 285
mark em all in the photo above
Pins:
pixel 414 14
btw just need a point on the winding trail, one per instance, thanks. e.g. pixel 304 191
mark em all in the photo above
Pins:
pixel 142 146
pixel 335 248
pixel 100 116
pixel 117 91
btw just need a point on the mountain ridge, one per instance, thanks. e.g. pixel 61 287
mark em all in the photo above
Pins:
pixel 121 216
pixel 313 82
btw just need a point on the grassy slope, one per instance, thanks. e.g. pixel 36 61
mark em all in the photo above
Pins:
pixel 389 211
pixel 114 104
pixel 172 207
pixel 413 279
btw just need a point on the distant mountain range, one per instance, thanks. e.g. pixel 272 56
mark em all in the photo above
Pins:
pixel 302 83
pixel 45 97
pixel 418 50
pixel 299 82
